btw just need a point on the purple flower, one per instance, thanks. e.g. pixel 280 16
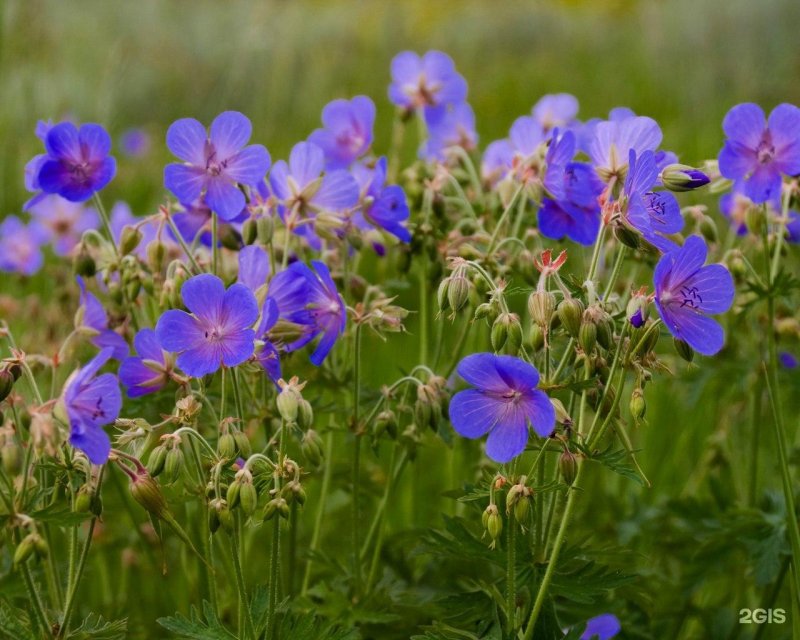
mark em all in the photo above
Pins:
pixel 383 206
pixel 576 212
pixel 253 267
pixel 149 370
pixel 34 165
pixel 310 299
pixel 559 154
pixel 427 81
pixel 602 627
pixel 135 142
pixel 194 223
pixel 448 127
pixel 303 190
pixel 94 321
pixel 793 227
pixel 555 110
pixel 21 246
pixel 77 163
pixel 503 403
pixel 758 150
pixel 64 221
pixel 788 360
pixel 497 159
pixel 612 141
pixel 686 291
pixel 121 216
pixel 347 132
pixel 654 214
pixel 214 162
pixel 91 403
pixel 217 332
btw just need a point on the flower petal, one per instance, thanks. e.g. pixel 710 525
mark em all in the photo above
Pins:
pixel 473 413
pixel 239 308
pixel 714 285
pixel 237 348
pixel 93 441
pixel 186 138
pixel 253 267
pixel 745 124
pixel 249 166
pixel 230 131
pixel 95 142
pixel 516 373
pixel 540 412
pixel 184 181
pixel 177 331
pixel 306 162
pixel 63 142
pixel 480 371
pixel 203 296
pixel 508 439
pixel 338 191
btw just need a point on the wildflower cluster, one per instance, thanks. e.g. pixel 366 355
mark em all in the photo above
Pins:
pixel 233 313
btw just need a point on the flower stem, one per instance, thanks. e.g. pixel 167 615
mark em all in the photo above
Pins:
pixel 356 475
pixel 501 221
pixel 182 243
pixel 326 483
pixel 511 576
pixel 244 608
pixel 275 551
pixel 106 223
pixel 214 243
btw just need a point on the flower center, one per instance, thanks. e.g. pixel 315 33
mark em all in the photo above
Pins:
pixel 766 150
pixel 81 172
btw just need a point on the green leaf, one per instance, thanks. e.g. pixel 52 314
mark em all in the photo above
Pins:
pixel 618 462
pixel 197 626
pixel 59 514
pixel 95 627
pixel 14 623
pixel 309 627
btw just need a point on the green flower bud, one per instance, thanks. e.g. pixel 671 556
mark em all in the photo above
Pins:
pixel 458 291
pixel 536 337
pixel 173 464
pixel 587 335
pixel 681 177
pixel 224 515
pixel 242 443
pixel 156 254
pixel 233 494
pixel 83 264
pixel 441 295
pixel 249 231
pixel 248 498
pixel 155 463
pixel 305 414
pixel 541 307
pixel 627 236
pixel 486 310
pixel 213 519
pixel 568 466
pixel 25 549
pixel 638 405
pixel 147 493
pixel 708 229
pixel 522 509
pixel 265 227
pixel 311 447
pixel 570 312
pixel 83 500
pixel 494 524
pixel 129 239
pixel 288 404
pixel 226 446
pixel 6 383
pixel 683 349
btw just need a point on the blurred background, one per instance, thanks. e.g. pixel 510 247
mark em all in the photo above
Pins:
pixel 685 63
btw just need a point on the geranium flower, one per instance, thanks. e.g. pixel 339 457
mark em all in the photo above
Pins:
pixel 448 127
pixel 217 332
pixel 686 291
pixel 214 162
pixel 149 370
pixel 602 627
pixel 612 141
pixel 21 246
pixel 383 206
pixel 347 132
pixel 426 81
pixel 94 318
pixel 576 212
pixel 760 151
pixel 253 267
pixel 78 163
pixel 310 299
pixel 91 402
pixel 503 404
pixel 64 221
pixel 555 110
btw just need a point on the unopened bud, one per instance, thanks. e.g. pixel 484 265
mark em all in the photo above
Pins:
pixel 248 498
pixel 680 177
pixel 242 443
pixel 541 307
pixel 311 447
pixel 226 446
pixel 570 311
pixel 129 239
pixel 305 414
pixel 458 291
pixel 173 464
pixel 587 335
pixel 155 463
pixel 683 349
pixel 288 403
pixel 568 466
pixel 638 405
pixel 147 493
pixel 265 227
pixel 536 337
pixel 249 231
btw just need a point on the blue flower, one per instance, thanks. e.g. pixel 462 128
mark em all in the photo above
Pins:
pixel 496 161
pixel 21 246
pixel 135 142
pixel 214 162
pixel 347 132
pixel 93 318
pixel 655 214
pixel 219 330
pixel 34 165
pixel 788 360
pixel 448 127
pixel 91 402
pixel 555 110
pixel 303 190
pixel 602 627
pixel 760 151
pixel 310 299
pixel 427 81
pixel 253 267
pixel 576 212
pixel 78 163
pixel 266 352
pixel 383 206
pixel 149 370
pixel 503 403
pixel 686 291
pixel 64 221
pixel 611 143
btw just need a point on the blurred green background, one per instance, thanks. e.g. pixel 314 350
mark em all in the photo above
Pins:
pixel 683 62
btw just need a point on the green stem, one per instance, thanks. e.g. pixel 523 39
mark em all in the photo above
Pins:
pixel 511 576
pixel 214 243
pixel 244 603
pixel 40 616
pixel 106 223
pixel 356 475
pixel 326 483
pixel 275 551
pixel 179 237
pixel 615 272
pixel 502 220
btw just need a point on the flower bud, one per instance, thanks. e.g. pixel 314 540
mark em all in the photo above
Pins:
pixel 249 231
pixel 129 239
pixel 233 494
pixel 220 515
pixel 626 236
pixel 683 349
pixel 265 227
pixel 305 414
pixel 441 295
pixel 311 447
pixel 562 417
pixel 638 406
pixel 6 383
pixel 83 264
pixel 458 291
pixel 568 466
pixel 288 403
pixel 636 311
pixel 570 312
pixel 226 446
pixel 536 337
pixel 242 443
pixel 522 509
pixel 156 254
pixel 155 463
pixel 587 335
pixel 386 421
pixel 755 218
pixel 83 499
pixel 248 498
pixel 493 522
pixel 708 229
pixel 147 493
pixel 680 177
pixel 26 548
pixel 541 307
pixel 173 464
pixel 486 310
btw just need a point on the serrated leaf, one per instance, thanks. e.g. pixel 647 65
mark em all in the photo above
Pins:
pixel 14 623
pixel 59 514
pixel 95 627
pixel 197 626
